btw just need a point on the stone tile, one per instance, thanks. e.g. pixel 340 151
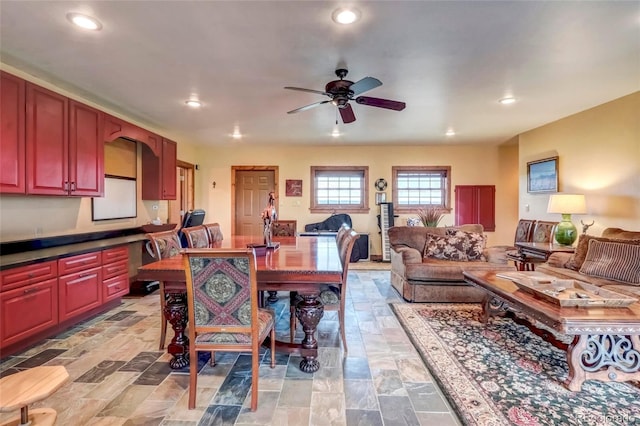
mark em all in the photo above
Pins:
pixel 425 397
pixel 328 380
pixel 356 368
pixel 154 375
pixel 291 416
pixel 127 401
pixel 388 382
pixel 141 361
pixel 397 410
pixel 363 418
pixel 111 386
pixel 296 393
pixel 220 415
pixel 413 370
pixel 98 373
pixel 40 358
pixel 267 404
pixel 440 419
pixel 327 409
pixel 360 395
pixel 120 316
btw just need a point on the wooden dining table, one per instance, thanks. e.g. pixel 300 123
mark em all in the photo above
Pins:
pixel 301 264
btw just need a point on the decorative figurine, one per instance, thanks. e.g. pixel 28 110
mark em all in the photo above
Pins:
pixel 586 226
pixel 269 215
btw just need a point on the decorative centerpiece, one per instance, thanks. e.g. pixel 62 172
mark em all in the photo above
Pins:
pixel 269 215
pixel 430 216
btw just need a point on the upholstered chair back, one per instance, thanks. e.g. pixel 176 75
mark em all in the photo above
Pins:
pixel 215 234
pixel 197 236
pixel 543 231
pixel 164 244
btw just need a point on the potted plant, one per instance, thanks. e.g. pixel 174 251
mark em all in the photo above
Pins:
pixel 430 216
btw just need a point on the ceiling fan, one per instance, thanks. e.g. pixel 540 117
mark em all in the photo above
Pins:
pixel 342 91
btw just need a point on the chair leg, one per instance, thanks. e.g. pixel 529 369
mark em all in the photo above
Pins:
pixel 193 376
pixel 342 330
pixel 163 319
pixel 292 318
pixel 212 361
pixel 254 379
pixel 273 346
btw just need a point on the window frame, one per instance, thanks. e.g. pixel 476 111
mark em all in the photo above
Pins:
pixel 403 208
pixel 315 207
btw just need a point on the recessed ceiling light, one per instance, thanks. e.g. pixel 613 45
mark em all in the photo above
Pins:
pixel 335 133
pixel 84 21
pixel 193 103
pixel 236 133
pixel 450 133
pixel 345 16
pixel 508 100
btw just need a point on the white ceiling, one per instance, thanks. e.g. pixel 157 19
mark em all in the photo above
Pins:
pixel 450 61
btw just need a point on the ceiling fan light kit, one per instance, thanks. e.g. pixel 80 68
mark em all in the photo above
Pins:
pixel 342 91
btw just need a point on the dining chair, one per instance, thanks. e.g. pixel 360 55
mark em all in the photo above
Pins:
pixel 222 305
pixel 524 233
pixel 197 236
pixel 332 297
pixel 215 234
pixel 162 245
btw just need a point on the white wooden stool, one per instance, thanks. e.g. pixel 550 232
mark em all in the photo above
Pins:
pixel 21 389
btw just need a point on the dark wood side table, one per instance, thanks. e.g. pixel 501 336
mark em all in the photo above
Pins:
pixel 532 253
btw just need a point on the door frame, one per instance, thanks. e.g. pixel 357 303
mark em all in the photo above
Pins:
pixel 189 196
pixel 234 169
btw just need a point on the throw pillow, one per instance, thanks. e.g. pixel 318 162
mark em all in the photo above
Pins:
pixel 582 247
pixel 456 245
pixel 614 261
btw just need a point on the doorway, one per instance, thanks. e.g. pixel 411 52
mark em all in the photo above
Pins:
pixel 251 187
pixel 185 192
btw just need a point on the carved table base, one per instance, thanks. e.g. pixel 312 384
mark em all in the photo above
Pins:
pixel 309 311
pixel 175 312
pixel 605 357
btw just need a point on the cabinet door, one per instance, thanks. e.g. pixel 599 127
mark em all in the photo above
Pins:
pixel 476 204
pixel 12 142
pixel 23 276
pixel 47 147
pixel 169 157
pixel 79 262
pixel 115 287
pixel 79 292
pixel 27 311
pixel 86 151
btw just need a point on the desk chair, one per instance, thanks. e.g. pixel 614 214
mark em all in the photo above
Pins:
pixel 333 298
pixel 165 244
pixel 19 390
pixel 197 237
pixel 222 300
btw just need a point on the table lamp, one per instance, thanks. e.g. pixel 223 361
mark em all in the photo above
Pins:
pixel 566 204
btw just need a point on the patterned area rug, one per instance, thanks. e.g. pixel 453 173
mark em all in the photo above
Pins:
pixel 502 373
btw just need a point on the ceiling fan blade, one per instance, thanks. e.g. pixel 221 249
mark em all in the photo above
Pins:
pixel 307 90
pixel 347 114
pixel 306 107
pixel 365 84
pixel 381 103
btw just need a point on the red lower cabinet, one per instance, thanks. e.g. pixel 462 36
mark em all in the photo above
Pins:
pixel 79 292
pixel 115 273
pixel 28 310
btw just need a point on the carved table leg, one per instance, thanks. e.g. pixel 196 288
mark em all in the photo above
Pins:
pixel 606 357
pixel 309 311
pixel 175 312
pixel 273 297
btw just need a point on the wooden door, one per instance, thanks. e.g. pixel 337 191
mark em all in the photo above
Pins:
pixel 86 151
pixel 12 143
pixel 47 160
pixel 251 196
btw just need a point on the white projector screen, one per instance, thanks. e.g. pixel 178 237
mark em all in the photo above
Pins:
pixel 119 202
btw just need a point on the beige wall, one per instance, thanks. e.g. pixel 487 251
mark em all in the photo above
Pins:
pixel 599 156
pixel 471 165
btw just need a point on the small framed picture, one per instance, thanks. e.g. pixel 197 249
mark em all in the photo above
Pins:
pixel 542 175
pixel 293 187
pixel 381 197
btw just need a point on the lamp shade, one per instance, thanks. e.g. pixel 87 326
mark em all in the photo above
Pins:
pixel 567 204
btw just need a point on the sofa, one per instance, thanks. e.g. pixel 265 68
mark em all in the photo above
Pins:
pixel 426 268
pixel 611 261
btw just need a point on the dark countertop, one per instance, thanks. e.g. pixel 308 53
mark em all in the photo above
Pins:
pixel 33 256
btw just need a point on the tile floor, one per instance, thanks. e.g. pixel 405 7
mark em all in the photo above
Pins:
pixel 118 376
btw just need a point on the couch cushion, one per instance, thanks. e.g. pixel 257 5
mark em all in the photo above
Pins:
pixel 580 254
pixel 440 270
pixel 456 245
pixel 614 261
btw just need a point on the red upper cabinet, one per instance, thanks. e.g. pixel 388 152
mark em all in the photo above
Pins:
pixel 47 138
pixel 476 204
pixel 12 141
pixel 64 140
pixel 86 151
pixel 117 128
pixel 159 172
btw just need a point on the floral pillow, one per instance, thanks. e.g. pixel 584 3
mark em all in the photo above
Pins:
pixel 456 245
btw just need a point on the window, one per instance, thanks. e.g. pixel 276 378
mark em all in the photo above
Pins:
pixel 419 187
pixel 342 189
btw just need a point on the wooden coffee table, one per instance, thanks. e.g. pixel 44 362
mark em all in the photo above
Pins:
pixel 606 341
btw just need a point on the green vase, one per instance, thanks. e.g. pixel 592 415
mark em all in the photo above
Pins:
pixel 566 232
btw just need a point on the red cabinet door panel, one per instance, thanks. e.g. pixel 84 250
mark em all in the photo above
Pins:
pixel 27 275
pixel 115 254
pixel 27 311
pixel 79 262
pixel 115 287
pixel 169 157
pixel 116 268
pixel 12 141
pixel 47 144
pixel 79 292
pixel 86 151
